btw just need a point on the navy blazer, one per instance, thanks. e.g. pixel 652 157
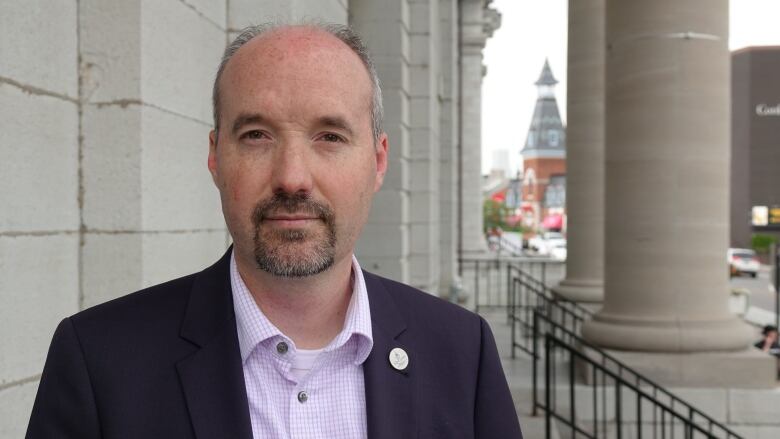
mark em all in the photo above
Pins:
pixel 164 363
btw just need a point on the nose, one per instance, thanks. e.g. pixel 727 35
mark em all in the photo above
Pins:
pixel 291 172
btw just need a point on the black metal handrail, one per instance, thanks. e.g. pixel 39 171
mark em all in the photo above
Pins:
pixel 528 295
pixel 490 278
pixel 599 366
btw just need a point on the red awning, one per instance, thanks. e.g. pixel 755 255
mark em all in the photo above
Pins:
pixel 553 222
pixel 499 196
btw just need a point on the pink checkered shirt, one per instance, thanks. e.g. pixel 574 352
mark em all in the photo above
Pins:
pixel 330 401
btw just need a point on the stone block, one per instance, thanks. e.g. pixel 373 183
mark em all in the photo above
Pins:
pixel 754 406
pixel 111 167
pixel 420 112
pixel 242 13
pixel 420 49
pixel 384 241
pixel 395 268
pixel 213 10
pixel 421 207
pixel 422 144
pixel 178 193
pixel 422 172
pixel 420 17
pixel 422 84
pixel 391 11
pixel 181 53
pixel 110 50
pixel 398 140
pixel 389 207
pixel 39 173
pixel 329 11
pixel 397 176
pixel 111 266
pixel 167 256
pixel 15 407
pixel 396 105
pixel 393 72
pixel 384 36
pixel 26 50
pixel 742 369
pixel 39 283
pixel 420 238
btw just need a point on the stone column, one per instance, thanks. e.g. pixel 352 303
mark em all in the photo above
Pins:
pixel 384 244
pixel 667 180
pixel 149 211
pixel 424 144
pixel 477 24
pixel 448 136
pixel 585 154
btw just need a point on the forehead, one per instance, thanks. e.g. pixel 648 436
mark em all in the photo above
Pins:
pixel 295 66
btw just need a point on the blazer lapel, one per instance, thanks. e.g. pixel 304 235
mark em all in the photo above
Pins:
pixel 390 410
pixel 212 377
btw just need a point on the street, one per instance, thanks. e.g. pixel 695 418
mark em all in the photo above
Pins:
pixel 762 293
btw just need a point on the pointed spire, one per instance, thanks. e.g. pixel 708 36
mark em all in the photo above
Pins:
pixel 546 77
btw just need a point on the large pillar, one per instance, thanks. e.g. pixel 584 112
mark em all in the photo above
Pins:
pixel 585 154
pixel 149 211
pixel 424 145
pixel 667 195
pixel 448 136
pixel 477 23
pixel 384 246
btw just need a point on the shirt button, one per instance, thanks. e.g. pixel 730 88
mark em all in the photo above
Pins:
pixel 303 397
pixel 281 347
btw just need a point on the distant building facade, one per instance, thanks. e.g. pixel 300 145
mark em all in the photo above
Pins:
pixel 544 161
pixel 755 146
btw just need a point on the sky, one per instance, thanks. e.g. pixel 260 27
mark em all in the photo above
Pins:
pixel 532 30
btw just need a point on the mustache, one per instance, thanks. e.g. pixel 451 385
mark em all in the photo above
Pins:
pixel 296 203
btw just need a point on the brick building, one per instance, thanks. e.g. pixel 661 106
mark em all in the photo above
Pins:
pixel 544 161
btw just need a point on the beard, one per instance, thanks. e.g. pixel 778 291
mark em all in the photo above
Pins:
pixel 294 252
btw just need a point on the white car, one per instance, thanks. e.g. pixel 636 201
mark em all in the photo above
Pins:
pixel 558 252
pixel 742 260
pixel 545 242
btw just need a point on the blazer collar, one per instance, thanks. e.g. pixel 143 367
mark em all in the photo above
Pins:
pixel 212 377
pixel 213 381
pixel 390 399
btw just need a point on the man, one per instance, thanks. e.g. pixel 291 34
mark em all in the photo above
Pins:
pixel 285 336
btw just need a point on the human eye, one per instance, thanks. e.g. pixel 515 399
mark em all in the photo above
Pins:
pixel 253 135
pixel 332 138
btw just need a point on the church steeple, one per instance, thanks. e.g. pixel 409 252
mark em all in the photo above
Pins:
pixel 546 135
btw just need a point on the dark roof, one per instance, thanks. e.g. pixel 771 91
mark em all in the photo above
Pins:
pixel 546 77
pixel 546 135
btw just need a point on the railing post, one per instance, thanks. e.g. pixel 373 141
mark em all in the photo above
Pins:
pixel 534 366
pixel 547 373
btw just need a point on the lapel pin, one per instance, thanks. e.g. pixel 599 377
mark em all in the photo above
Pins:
pixel 399 359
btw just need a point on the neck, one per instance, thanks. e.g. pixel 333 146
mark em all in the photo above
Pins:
pixel 310 310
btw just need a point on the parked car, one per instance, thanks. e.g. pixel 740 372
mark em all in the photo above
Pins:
pixel 545 242
pixel 742 260
pixel 558 251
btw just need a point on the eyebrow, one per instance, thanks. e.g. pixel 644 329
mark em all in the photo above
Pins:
pixel 335 122
pixel 246 119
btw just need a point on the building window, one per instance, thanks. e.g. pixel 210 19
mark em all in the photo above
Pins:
pixel 552 137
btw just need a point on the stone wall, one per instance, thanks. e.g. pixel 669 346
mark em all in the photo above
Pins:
pixel 106 112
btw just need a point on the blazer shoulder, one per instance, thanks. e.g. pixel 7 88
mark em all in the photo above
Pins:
pixel 147 307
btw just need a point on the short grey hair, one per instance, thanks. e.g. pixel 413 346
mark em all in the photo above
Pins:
pixel 342 32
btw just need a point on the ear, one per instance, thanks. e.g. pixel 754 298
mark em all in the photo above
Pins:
pixel 381 161
pixel 212 160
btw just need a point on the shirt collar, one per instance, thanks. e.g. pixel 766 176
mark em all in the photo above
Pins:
pixel 253 326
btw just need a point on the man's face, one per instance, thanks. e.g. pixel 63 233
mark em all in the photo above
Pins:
pixel 294 158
